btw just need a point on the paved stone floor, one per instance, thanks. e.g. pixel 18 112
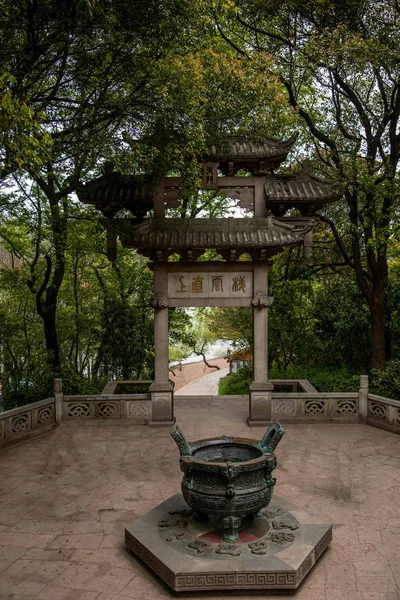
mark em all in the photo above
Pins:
pixel 66 497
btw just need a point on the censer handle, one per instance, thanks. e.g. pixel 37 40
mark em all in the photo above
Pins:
pixel 180 440
pixel 272 437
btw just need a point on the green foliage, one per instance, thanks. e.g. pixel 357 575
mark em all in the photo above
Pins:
pixel 338 63
pixel 292 321
pixel 342 326
pixel 323 379
pixel 75 383
pixel 236 383
pixel 314 319
pixel 234 324
pixel 24 142
pixel 126 341
pixel 387 383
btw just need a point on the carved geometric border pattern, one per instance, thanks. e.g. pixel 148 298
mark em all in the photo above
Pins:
pixel 45 415
pixel 306 566
pixel 249 580
pixel 314 407
pixel 323 543
pixel 79 409
pixel 20 423
pixel 378 411
pixel 209 581
pixel 346 407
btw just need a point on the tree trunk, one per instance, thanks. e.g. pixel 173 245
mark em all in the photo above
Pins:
pixel 377 311
pixel 50 332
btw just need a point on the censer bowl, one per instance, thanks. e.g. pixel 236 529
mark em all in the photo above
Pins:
pixel 228 477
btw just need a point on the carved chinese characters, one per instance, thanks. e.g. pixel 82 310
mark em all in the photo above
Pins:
pixel 210 285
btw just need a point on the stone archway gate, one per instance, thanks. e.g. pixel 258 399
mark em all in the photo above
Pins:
pixel 231 282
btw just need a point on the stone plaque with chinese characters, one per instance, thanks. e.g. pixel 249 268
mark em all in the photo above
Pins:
pixel 210 286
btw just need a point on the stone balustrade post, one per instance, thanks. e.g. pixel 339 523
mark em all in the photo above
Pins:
pixel 58 399
pixel 363 397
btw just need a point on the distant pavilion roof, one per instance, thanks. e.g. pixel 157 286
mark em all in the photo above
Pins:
pixel 235 153
pixel 159 238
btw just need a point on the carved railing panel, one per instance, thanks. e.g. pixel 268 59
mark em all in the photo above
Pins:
pixel 346 407
pixel 383 413
pixel 108 406
pixel 377 410
pixel 20 423
pixel 140 409
pixel 26 420
pixel 78 410
pixel 111 410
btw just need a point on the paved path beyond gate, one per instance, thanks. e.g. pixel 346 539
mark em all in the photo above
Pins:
pixel 204 386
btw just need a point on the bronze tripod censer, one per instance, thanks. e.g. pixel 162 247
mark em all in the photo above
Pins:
pixel 228 477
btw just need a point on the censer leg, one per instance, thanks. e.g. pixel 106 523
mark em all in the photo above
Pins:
pixel 231 524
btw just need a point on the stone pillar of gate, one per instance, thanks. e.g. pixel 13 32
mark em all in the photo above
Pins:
pixel 162 390
pixel 261 388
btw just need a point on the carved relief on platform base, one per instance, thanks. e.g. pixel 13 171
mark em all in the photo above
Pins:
pixel 190 555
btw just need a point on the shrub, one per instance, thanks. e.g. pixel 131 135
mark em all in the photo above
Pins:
pixel 323 379
pixel 387 382
pixel 236 383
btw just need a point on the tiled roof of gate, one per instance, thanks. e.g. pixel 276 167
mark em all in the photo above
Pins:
pixel 236 147
pixel 208 233
pixel 235 153
pixel 300 188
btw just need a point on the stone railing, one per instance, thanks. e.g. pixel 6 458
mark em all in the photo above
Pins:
pixel 307 406
pixel 19 423
pixel 314 406
pixel 383 412
pixel 132 407
pixel 107 406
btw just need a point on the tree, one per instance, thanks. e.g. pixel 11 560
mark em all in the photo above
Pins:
pixel 339 65
pixel 143 84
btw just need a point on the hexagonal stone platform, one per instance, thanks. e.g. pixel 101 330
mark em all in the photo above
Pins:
pixel 274 552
